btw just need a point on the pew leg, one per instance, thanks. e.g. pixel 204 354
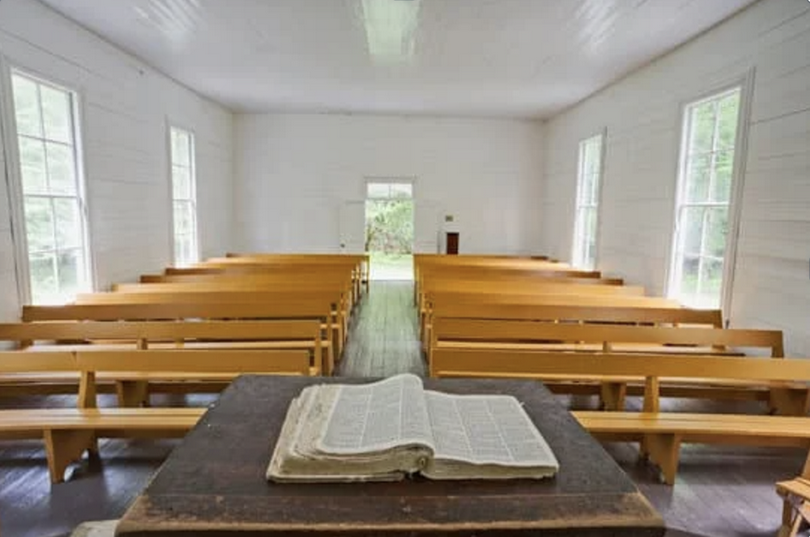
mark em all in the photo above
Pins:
pixel 663 450
pixel 612 395
pixel 65 447
pixel 787 518
pixel 789 401
pixel 329 360
pixel 132 393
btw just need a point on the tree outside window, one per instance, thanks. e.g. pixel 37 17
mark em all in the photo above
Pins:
pixel 704 197
pixel 589 178
pixel 184 198
pixel 53 200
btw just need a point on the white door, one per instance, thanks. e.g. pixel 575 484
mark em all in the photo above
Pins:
pixel 427 227
pixel 353 227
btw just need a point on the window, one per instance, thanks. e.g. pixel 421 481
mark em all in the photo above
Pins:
pixel 184 198
pixel 55 216
pixel 703 200
pixel 589 176
pixel 389 190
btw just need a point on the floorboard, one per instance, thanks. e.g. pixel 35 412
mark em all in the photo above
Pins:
pixel 724 492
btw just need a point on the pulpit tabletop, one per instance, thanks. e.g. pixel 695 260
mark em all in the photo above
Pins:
pixel 213 483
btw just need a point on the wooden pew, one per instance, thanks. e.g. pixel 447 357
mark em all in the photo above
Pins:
pixel 516 306
pixel 360 263
pixel 194 295
pixel 488 335
pixel 661 433
pixel 328 284
pixel 795 494
pixel 424 265
pixel 320 310
pixel 68 433
pixel 540 307
pixel 93 336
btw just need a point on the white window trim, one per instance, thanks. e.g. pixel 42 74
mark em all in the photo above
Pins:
pixel 600 188
pixel 170 173
pixel 8 124
pixel 745 83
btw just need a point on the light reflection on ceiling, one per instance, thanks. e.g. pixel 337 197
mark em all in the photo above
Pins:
pixel 176 20
pixel 390 27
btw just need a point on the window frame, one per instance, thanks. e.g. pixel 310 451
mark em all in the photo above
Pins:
pixel 10 137
pixel 597 207
pixel 170 127
pixel 745 84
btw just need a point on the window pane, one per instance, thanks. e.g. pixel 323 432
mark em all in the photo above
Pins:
pixel 38 224
pixel 590 239
pixel 180 148
pixel 711 280
pixel 723 168
pixel 180 257
pixel 181 182
pixel 70 274
pixel 716 232
pixel 61 169
pixel 26 106
pixel 703 117
pixel 32 166
pixel 44 288
pixel 378 190
pixel 688 284
pixel 182 218
pixel 401 190
pixel 691 228
pixel 184 250
pixel 592 150
pixel 56 111
pixel 68 223
pixel 728 109
pixel 698 175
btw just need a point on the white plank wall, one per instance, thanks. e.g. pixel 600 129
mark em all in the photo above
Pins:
pixel 125 107
pixel 294 171
pixel 642 116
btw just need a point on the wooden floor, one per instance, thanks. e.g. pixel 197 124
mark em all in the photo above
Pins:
pixel 719 492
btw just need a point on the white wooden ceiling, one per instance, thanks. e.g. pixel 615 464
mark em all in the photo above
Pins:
pixel 515 58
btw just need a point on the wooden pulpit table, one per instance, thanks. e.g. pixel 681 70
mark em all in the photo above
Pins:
pixel 213 483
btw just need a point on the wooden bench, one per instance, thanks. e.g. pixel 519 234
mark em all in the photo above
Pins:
pixel 543 307
pixel 360 263
pixel 339 319
pixel 68 433
pixel 501 337
pixel 795 495
pixel 105 336
pixel 338 289
pixel 660 433
pixel 316 309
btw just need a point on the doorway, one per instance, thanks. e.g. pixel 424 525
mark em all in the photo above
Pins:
pixel 389 228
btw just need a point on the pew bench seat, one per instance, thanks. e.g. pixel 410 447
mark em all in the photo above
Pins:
pixel 788 398
pixel 661 434
pixel 133 388
pixel 586 347
pixel 328 359
pixel 69 432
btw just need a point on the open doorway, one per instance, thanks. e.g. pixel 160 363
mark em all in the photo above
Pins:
pixel 389 228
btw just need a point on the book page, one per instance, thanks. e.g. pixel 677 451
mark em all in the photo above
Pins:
pixel 380 416
pixel 486 430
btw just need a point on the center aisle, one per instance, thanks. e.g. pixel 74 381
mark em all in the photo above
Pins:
pixel 384 334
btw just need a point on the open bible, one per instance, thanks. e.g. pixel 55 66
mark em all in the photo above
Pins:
pixel 386 430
